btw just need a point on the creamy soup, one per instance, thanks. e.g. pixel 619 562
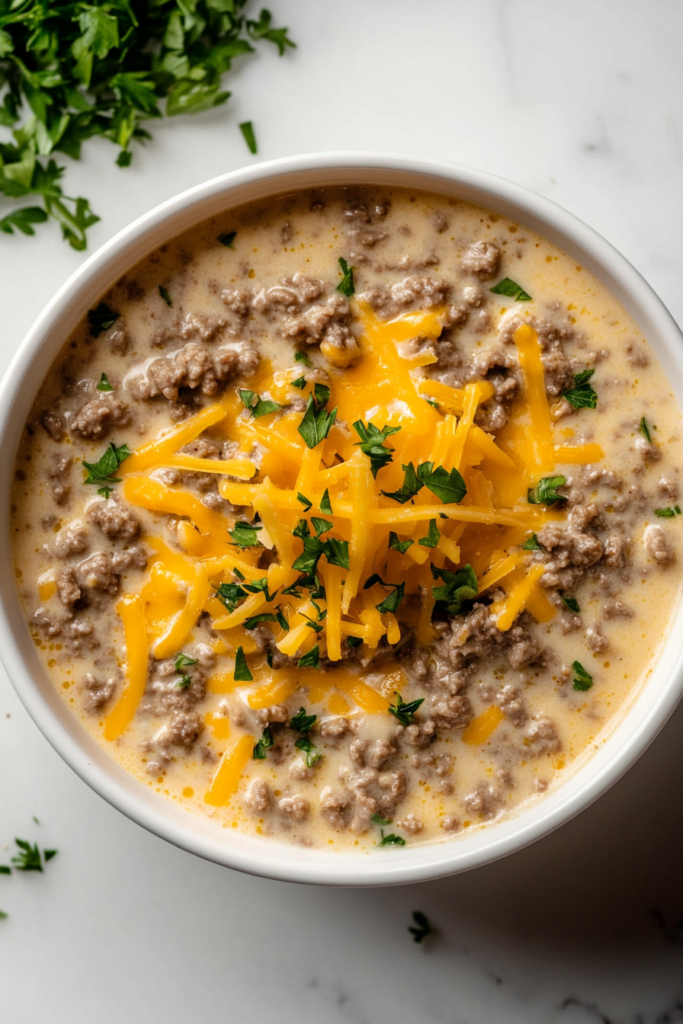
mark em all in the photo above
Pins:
pixel 351 518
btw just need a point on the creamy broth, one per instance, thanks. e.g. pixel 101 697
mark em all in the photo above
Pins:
pixel 591 576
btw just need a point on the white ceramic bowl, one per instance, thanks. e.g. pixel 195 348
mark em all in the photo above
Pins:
pixel 626 741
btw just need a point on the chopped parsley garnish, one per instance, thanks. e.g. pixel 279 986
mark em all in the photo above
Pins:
pixel 278 616
pixel 668 513
pixel 459 586
pixel 263 745
pixel 102 471
pixel 582 679
pixel 104 384
pixel 511 289
pixel 299 383
pixel 5 869
pixel 311 659
pixel 390 840
pixel 247 130
pixel 165 295
pixel 28 857
pixel 405 713
pixel 301 357
pixel 102 317
pixel 532 543
pixel 262 407
pixel 354 641
pixel 645 430
pixel 392 602
pixel 399 545
pixel 304 501
pixel 346 285
pixel 242 673
pixel 377 819
pixel 259 587
pixel 182 661
pixel 422 927
pixel 449 487
pixel 582 395
pixel 245 535
pixel 315 426
pixel 309 749
pixel 336 551
pixel 321 526
pixel 571 603
pixel 301 722
pixel 269 658
pixel 230 594
pixel 545 492
pixel 433 535
pixel 227 239
pixel 3 913
pixel 372 444
pixel 325 503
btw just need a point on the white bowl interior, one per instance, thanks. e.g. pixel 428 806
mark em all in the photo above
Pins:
pixel 620 745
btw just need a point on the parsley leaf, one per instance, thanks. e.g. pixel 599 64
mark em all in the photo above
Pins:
pixel 102 471
pixel 244 535
pixel 315 426
pixel 337 552
pixel 309 748
pixel 304 501
pixel 346 285
pixel 545 492
pixel 422 927
pixel 449 487
pixel 104 384
pixel 165 295
pixel 433 535
pixel 571 603
pixel 459 587
pixel 230 594
pixel 299 383
pixel 411 485
pixel 261 407
pixel 405 713
pixel 321 526
pixel 582 395
pixel 101 319
pixel 325 503
pixel 390 603
pixel 379 820
pixel 247 130
pixel 182 661
pixel 311 659
pixel 668 513
pixel 354 641
pixel 372 444
pixel 5 869
pixel 23 219
pixel 263 745
pixel 582 679
pixel 261 30
pixel 302 722
pixel 241 673
pixel 227 239
pixel 532 543
pixel 645 430
pixel 259 587
pixel 390 840
pixel 511 289
pixel 398 545
pixel 27 857
pixel 301 357
pixel 3 915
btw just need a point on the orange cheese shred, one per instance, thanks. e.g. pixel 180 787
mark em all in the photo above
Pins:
pixel 227 778
pixel 131 610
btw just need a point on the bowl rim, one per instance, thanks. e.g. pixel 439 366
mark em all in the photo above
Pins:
pixel 103 774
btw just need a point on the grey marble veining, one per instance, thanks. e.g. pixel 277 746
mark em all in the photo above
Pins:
pixel 580 102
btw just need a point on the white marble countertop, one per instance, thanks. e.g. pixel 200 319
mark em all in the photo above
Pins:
pixel 580 102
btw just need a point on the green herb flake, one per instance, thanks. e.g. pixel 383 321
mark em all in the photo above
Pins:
pixel 263 745
pixel 245 535
pixel 405 712
pixel 393 601
pixel 582 395
pixel 511 289
pixel 321 526
pixel 27 857
pixel 354 641
pixel 337 552
pixel 302 722
pixel 227 239
pixel 399 545
pixel 645 430
pixel 390 840
pixel 309 749
pixel 104 384
pixel 242 673
pixel 101 318
pixel 182 661
pixel 545 492
pixel 377 819
pixel 346 285
pixel 165 295
pixel 102 471
pixel 259 408
pixel 532 543
pixel 459 587
pixel 582 679
pixel 304 501
pixel 668 513
pixel 316 424
pixel 269 658
pixel 311 659
pixel 299 383
pixel 450 488
pixel 230 594
pixel 5 869
pixel 247 130
pixel 372 444
pixel 3 915
pixel 422 928
pixel 433 535
pixel 301 357
pixel 326 504
pixel 571 603
pixel 49 854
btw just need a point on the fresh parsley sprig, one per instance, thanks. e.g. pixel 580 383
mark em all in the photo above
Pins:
pixel 182 661
pixel 582 395
pixel 405 712
pixel 372 444
pixel 450 487
pixel 102 471
pixel 316 424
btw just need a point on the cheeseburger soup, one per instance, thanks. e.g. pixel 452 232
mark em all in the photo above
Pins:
pixel 351 518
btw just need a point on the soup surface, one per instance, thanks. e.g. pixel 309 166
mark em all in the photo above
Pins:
pixel 351 518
